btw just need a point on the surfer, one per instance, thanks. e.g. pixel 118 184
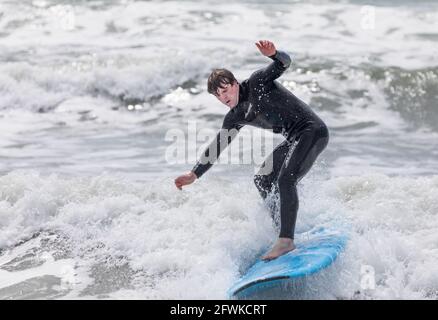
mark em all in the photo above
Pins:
pixel 263 102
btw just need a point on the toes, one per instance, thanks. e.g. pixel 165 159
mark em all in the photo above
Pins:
pixel 268 257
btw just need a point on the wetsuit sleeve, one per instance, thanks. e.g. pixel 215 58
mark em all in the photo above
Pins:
pixel 275 69
pixel 223 138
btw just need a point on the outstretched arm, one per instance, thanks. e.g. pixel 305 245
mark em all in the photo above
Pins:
pixel 281 62
pixel 210 155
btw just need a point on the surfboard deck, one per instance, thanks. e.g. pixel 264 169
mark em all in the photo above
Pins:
pixel 315 253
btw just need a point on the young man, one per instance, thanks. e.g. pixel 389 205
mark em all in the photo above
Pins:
pixel 262 102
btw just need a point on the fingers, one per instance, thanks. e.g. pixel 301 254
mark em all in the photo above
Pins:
pixel 261 44
pixel 184 180
pixel 178 183
pixel 264 43
pixel 265 47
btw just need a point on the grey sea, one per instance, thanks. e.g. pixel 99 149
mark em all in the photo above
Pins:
pixel 97 99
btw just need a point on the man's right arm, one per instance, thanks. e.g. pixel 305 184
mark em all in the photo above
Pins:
pixel 211 154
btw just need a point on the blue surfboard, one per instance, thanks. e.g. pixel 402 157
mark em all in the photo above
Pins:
pixel 315 253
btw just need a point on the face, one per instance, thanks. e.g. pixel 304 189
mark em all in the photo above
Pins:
pixel 229 94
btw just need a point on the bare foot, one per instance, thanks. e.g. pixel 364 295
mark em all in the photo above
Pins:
pixel 283 245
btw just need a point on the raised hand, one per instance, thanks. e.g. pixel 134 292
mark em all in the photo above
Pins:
pixel 266 47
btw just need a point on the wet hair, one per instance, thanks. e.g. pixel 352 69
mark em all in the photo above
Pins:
pixel 218 78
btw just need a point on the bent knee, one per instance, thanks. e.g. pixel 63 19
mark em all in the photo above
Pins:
pixel 320 135
pixel 287 180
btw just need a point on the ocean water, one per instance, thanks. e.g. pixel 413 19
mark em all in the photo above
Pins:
pixel 91 90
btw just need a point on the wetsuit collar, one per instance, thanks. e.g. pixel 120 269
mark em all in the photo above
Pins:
pixel 243 91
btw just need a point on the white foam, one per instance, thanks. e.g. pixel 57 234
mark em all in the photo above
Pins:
pixel 176 238
pixel 199 237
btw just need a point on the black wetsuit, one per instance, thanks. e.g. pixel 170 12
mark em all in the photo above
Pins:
pixel 265 103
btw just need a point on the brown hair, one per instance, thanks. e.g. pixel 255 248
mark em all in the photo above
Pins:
pixel 218 78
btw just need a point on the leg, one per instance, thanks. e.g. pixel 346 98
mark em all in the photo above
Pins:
pixel 297 163
pixel 269 170
pixel 295 167
pixel 265 179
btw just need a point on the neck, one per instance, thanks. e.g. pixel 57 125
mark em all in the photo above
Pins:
pixel 243 92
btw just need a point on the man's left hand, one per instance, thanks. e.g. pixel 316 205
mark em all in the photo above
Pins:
pixel 266 47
